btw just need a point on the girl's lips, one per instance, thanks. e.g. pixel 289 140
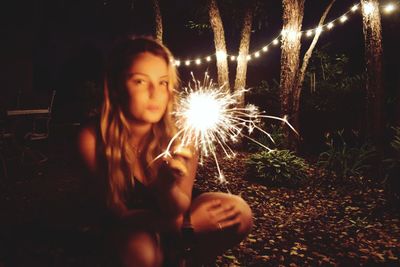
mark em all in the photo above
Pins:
pixel 153 107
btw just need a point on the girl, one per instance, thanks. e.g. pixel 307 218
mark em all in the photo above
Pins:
pixel 149 201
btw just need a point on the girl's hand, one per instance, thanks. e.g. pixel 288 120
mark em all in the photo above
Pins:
pixel 215 216
pixel 175 181
pixel 177 166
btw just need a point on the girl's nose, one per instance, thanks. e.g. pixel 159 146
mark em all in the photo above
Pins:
pixel 152 88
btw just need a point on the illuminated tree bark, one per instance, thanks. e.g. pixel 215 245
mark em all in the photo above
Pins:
pixel 158 21
pixel 241 70
pixel 220 44
pixel 373 58
pixel 293 11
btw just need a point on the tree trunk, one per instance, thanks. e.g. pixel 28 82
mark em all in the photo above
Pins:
pixel 373 58
pixel 158 21
pixel 241 71
pixel 220 44
pixel 300 77
pixel 293 11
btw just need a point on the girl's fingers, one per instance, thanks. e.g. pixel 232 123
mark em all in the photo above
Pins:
pixel 178 160
pixel 229 223
pixel 230 215
pixel 182 152
pixel 227 214
pixel 177 167
pixel 220 212
pixel 212 205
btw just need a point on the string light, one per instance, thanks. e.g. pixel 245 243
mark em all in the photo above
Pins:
pixel 343 18
pixel 389 8
pixel 368 8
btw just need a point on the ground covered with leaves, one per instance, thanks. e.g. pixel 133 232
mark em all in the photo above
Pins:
pixel 323 223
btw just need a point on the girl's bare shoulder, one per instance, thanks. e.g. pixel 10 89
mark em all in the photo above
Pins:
pixel 87 140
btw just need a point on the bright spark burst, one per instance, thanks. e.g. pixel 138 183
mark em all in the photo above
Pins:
pixel 208 117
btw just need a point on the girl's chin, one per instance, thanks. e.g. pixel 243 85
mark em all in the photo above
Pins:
pixel 149 119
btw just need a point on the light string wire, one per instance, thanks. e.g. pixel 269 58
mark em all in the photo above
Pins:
pixel 387 8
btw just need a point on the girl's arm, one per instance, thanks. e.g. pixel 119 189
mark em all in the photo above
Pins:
pixel 173 186
pixel 87 149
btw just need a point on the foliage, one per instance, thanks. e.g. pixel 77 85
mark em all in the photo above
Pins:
pixel 200 27
pixel 333 86
pixel 265 96
pixel 392 166
pixel 276 134
pixel 278 167
pixel 396 140
pixel 333 98
pixel 344 159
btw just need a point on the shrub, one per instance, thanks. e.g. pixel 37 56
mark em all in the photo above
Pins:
pixel 275 132
pixel 345 160
pixel 278 167
pixel 392 167
pixel 396 140
pixel 265 96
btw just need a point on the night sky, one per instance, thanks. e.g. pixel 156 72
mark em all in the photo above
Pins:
pixel 62 44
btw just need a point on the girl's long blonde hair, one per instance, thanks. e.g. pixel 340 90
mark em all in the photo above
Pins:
pixel 115 129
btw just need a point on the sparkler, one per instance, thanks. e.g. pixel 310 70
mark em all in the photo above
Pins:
pixel 208 117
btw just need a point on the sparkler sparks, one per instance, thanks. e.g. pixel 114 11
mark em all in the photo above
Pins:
pixel 208 117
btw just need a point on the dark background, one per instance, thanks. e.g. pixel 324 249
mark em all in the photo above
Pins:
pixel 61 45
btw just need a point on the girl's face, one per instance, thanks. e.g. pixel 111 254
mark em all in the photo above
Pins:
pixel 147 87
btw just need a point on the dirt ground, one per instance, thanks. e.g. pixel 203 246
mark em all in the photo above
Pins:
pixel 45 221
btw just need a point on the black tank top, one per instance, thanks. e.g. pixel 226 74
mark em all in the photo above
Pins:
pixel 138 196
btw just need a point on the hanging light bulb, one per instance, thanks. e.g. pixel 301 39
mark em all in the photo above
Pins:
pixel 233 58
pixel 177 63
pixel 257 54
pixel 187 62
pixel 319 29
pixel 354 8
pixel 389 8
pixel 343 18
pixel 309 33
pixel 265 48
pixel 275 42
pixel 208 58
pixel 330 25
pixel 198 61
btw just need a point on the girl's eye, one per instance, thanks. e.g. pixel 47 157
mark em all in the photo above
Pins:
pixel 139 81
pixel 164 83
